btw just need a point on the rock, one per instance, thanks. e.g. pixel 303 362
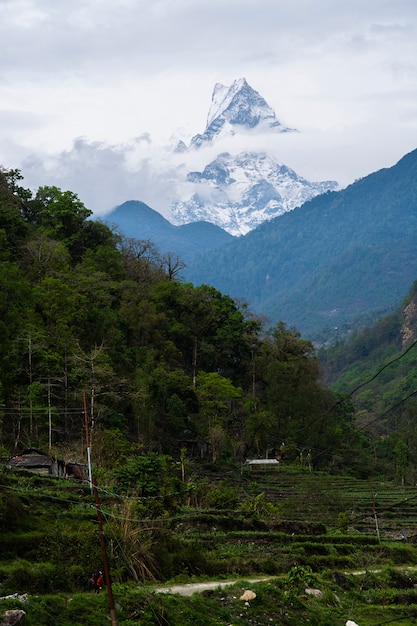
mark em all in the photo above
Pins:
pixel 23 598
pixel 316 593
pixel 13 617
pixel 248 595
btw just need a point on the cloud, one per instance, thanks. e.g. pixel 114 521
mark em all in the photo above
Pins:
pixel 131 78
pixel 104 175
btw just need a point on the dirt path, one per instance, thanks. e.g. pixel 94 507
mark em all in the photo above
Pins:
pixel 190 588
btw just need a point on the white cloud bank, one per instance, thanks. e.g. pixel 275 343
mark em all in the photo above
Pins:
pixel 94 94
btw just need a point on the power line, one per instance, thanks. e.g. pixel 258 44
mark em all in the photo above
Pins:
pixel 351 393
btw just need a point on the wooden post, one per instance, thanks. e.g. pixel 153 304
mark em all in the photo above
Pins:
pixel 104 554
pixel 374 508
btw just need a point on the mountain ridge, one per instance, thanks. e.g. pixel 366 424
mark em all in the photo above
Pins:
pixel 338 262
pixel 137 220
pixel 290 267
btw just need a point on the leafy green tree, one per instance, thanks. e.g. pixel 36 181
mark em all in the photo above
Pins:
pixel 142 474
pixel 15 307
pixel 12 178
pixel 217 396
pixel 302 413
pixel 61 215
pixel 12 225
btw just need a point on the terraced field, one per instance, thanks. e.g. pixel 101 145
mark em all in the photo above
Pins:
pixel 300 528
pixel 319 520
pixel 322 498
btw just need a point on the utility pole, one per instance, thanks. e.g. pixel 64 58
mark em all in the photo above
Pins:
pixel 93 487
pixel 87 439
pixel 105 560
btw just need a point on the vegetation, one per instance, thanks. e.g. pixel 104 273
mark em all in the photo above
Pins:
pixel 179 385
pixel 289 543
pixel 332 261
pixel 166 366
pixel 377 368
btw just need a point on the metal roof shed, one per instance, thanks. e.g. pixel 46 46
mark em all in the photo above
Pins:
pixel 262 464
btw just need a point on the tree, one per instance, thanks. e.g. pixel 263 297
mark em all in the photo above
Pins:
pixel 12 225
pixel 216 396
pixel 42 256
pixel 61 215
pixel 302 412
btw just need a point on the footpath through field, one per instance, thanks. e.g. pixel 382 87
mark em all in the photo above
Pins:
pixel 189 588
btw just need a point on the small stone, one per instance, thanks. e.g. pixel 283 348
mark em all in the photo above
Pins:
pixel 248 595
pixel 316 593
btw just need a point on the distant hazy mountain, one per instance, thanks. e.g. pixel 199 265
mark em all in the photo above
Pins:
pixel 341 255
pixel 136 219
pixel 238 191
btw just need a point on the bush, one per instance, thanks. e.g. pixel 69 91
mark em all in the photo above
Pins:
pixel 31 578
pixel 222 496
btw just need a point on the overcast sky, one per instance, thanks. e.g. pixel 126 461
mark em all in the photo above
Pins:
pixel 94 93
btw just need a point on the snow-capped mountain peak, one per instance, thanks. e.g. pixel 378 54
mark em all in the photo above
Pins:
pixel 222 98
pixel 234 108
pixel 240 192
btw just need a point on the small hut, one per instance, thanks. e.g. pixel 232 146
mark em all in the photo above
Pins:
pixel 37 461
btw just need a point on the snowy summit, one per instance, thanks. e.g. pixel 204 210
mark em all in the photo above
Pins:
pixel 238 191
pixel 234 108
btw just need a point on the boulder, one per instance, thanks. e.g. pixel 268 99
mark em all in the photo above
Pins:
pixel 13 617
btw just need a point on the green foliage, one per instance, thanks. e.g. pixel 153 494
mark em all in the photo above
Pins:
pixel 222 496
pixel 165 365
pixel 343 522
pixel 299 577
pixel 142 474
pixel 377 368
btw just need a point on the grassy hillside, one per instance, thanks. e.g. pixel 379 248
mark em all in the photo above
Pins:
pixel 377 369
pixel 303 529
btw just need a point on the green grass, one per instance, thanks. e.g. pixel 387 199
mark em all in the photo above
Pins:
pixel 49 545
pixel 371 599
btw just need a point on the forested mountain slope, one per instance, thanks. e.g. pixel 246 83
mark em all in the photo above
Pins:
pixel 136 219
pixel 339 256
pixel 378 369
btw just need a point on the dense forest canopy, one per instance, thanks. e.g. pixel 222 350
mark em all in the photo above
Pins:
pixel 164 364
pixel 165 367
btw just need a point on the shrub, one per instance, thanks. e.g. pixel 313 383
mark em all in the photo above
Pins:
pixel 29 577
pixel 222 496
pixel 298 577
